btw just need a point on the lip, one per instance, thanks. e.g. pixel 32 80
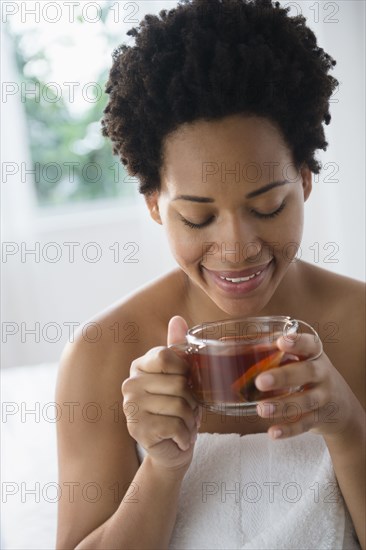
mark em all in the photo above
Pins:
pixel 239 288
pixel 241 273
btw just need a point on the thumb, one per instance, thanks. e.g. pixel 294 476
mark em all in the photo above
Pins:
pixel 177 329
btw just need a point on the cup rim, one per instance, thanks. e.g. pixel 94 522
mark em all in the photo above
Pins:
pixel 194 340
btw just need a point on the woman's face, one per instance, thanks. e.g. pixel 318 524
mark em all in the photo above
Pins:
pixel 231 201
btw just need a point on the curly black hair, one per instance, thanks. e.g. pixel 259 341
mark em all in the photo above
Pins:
pixel 207 59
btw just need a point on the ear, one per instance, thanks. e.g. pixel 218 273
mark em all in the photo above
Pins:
pixel 153 206
pixel 307 181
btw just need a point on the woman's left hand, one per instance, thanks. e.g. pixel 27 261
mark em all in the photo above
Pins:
pixel 324 406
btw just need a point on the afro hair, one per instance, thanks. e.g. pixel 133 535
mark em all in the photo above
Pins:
pixel 207 59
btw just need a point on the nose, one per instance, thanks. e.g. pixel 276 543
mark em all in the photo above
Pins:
pixel 239 243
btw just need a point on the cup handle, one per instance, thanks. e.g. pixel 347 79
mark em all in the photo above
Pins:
pixel 311 358
pixel 316 339
pixel 181 349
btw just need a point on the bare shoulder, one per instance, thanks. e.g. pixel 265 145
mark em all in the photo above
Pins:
pixel 139 321
pixel 107 343
pixel 335 295
pixel 340 305
pixel 333 284
pixel 94 446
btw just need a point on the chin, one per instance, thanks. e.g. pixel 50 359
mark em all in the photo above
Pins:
pixel 240 308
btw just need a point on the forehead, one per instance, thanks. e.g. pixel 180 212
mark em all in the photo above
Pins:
pixel 209 150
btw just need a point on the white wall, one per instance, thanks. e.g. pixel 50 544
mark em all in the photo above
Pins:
pixel 57 294
pixel 335 212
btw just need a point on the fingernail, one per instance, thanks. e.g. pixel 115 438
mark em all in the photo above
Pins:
pixel 290 340
pixel 266 380
pixel 276 434
pixel 198 422
pixel 269 408
pixel 194 438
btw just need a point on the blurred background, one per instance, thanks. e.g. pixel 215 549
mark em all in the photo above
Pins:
pixel 76 235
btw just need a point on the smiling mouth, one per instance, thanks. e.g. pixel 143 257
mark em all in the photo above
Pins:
pixel 241 279
pixel 238 276
pixel 239 282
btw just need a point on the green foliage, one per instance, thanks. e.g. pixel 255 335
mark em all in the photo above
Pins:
pixel 68 166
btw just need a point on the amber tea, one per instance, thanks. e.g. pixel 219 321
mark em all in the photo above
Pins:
pixel 226 357
pixel 228 376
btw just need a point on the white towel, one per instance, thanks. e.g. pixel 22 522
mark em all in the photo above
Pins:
pixel 249 492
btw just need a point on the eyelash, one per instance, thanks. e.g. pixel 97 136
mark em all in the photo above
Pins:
pixel 256 214
pixel 196 225
pixel 272 215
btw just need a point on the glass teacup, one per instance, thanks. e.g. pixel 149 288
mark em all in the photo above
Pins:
pixel 226 357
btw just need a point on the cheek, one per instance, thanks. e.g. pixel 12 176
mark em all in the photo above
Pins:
pixel 186 248
pixel 295 221
pixel 287 234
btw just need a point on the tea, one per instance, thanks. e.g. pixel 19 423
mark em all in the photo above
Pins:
pixel 225 357
pixel 227 376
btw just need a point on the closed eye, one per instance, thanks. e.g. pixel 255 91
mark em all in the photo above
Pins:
pixel 271 215
pixel 196 225
pixel 254 212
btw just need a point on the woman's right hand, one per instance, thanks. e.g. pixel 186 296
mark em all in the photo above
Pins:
pixel 166 414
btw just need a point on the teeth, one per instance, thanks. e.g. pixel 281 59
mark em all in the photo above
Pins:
pixel 241 279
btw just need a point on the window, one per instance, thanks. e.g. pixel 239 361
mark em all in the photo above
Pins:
pixel 63 58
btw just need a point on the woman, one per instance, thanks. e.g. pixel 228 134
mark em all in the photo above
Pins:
pixel 218 110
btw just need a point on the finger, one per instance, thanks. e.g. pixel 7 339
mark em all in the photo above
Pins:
pixel 174 385
pixel 303 345
pixel 171 406
pixel 290 429
pixel 292 407
pixel 290 375
pixel 153 430
pixel 177 330
pixel 160 360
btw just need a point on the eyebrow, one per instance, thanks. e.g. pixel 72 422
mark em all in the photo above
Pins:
pixel 250 195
